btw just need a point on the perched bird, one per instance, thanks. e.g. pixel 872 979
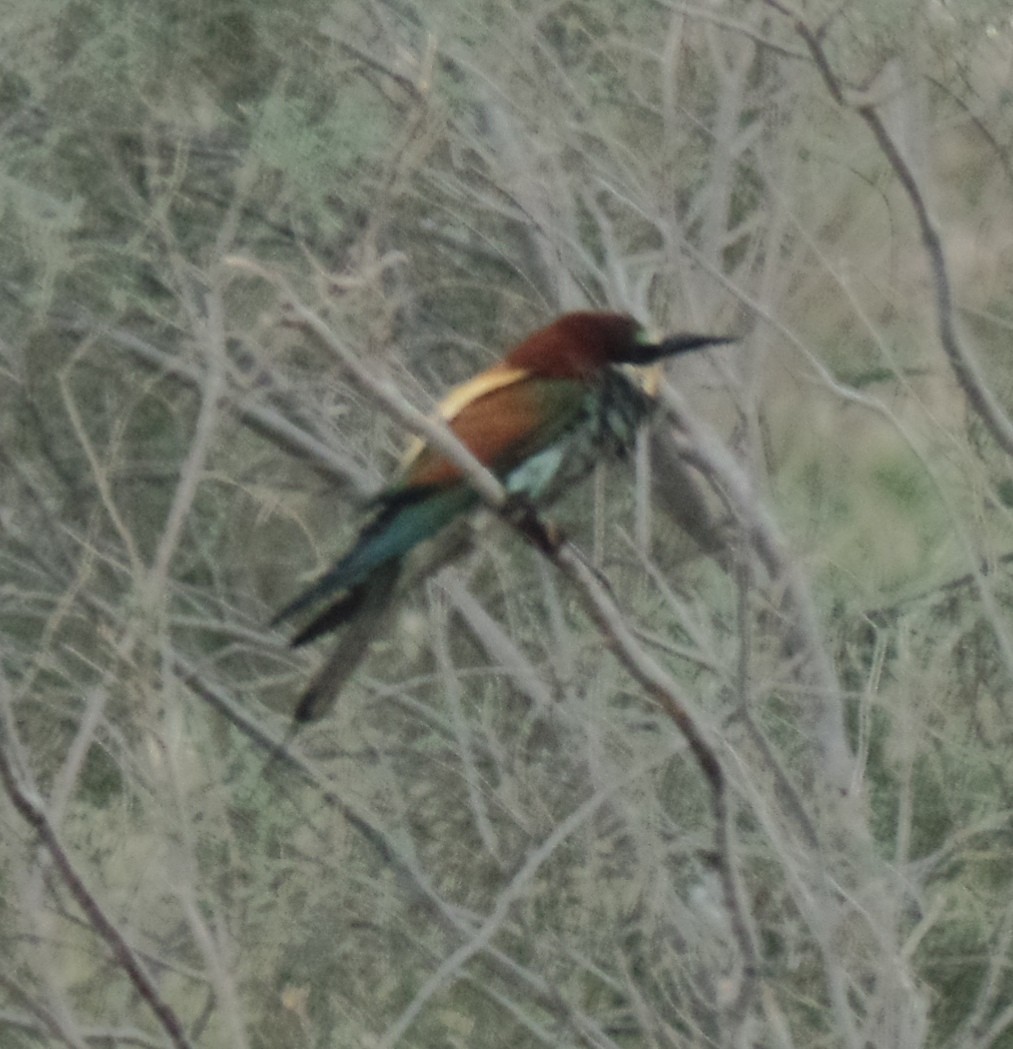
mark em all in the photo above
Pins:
pixel 538 420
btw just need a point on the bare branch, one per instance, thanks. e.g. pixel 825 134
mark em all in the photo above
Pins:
pixel 322 457
pixel 962 359
pixel 28 805
pixel 805 634
pixel 658 685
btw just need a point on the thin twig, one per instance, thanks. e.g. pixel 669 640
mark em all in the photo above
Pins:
pixel 805 635
pixel 258 417
pixel 597 600
pixel 434 431
pixel 191 471
pixel 962 360
pixel 28 805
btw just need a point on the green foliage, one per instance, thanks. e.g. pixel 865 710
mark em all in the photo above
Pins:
pixel 504 832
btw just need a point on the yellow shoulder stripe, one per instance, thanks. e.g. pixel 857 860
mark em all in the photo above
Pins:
pixel 494 378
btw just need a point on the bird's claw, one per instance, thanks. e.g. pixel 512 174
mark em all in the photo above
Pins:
pixel 520 512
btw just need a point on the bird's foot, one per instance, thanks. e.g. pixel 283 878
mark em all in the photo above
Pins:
pixel 520 512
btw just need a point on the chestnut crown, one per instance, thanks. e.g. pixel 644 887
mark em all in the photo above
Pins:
pixel 578 345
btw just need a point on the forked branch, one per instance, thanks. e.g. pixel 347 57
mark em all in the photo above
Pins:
pixel 962 360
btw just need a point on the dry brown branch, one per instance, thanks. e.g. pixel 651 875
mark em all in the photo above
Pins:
pixel 411 878
pixel 658 685
pixel 37 1019
pixel 451 686
pixel 212 342
pixel 27 802
pixel 262 419
pixel 962 359
pixel 502 649
pixel 480 939
pixel 662 689
pixel 432 430
pixel 434 175
pixel 40 1024
pixel 805 635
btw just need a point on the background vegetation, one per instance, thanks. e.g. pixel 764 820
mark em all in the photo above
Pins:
pixel 500 837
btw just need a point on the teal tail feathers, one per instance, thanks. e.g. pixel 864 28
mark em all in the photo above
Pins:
pixel 375 600
pixel 406 517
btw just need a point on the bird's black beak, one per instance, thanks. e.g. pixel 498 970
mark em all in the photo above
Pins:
pixel 683 342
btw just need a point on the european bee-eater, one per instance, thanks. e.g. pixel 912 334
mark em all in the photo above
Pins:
pixel 538 418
